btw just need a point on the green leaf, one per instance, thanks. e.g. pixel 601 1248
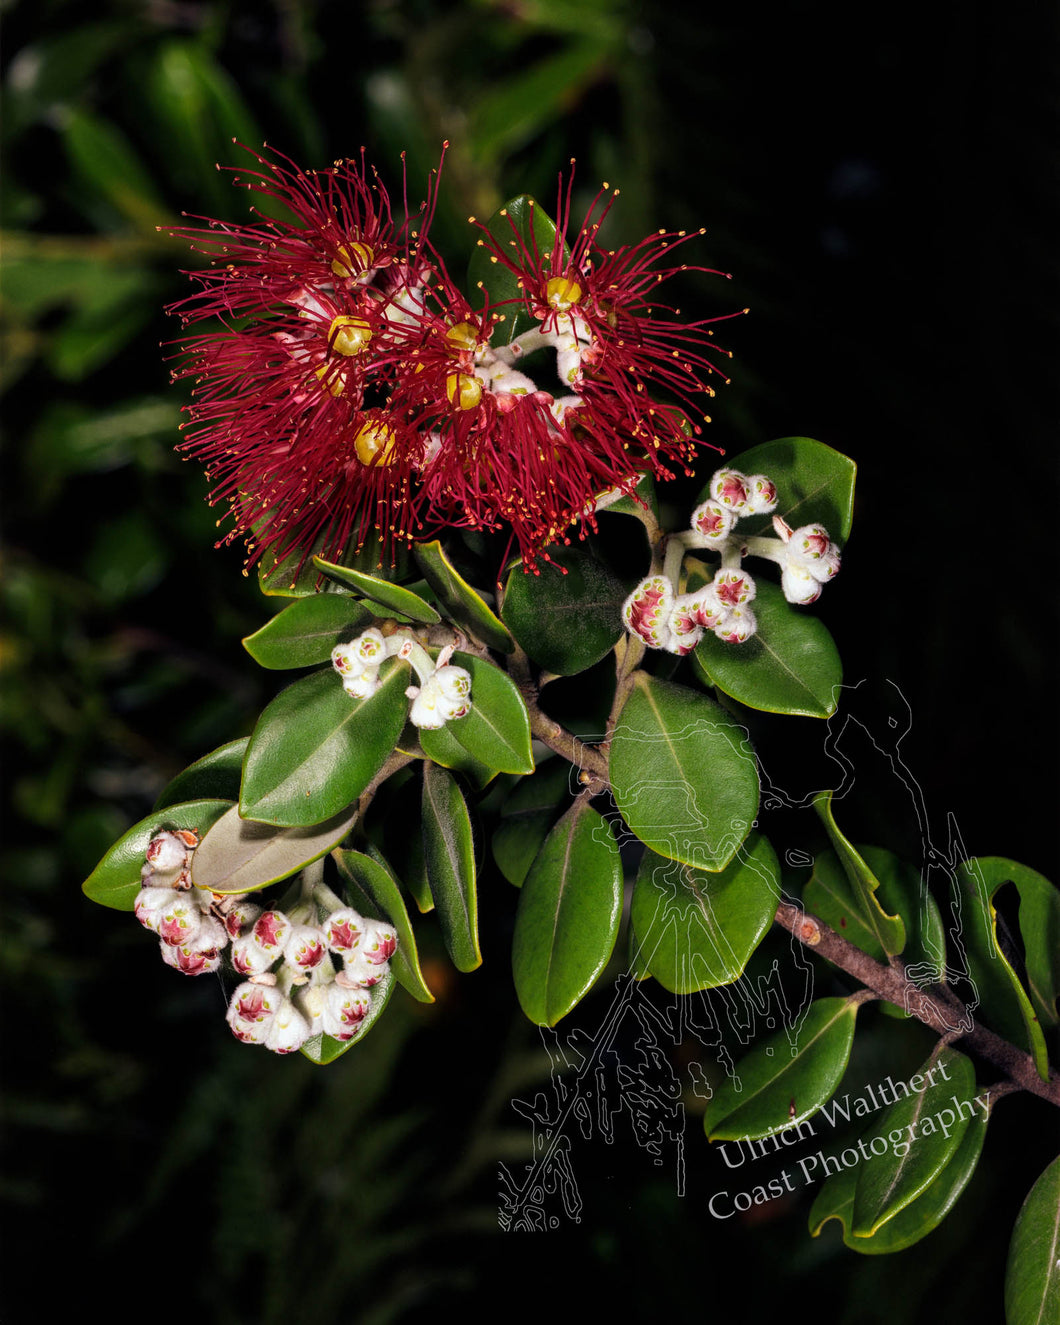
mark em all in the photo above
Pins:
pixel 779 1085
pixel 1032 1276
pixel 518 223
pixel 449 852
pixel 116 879
pixel 240 856
pixel 462 604
pixel 527 817
pixel 322 1049
pixel 441 746
pixel 103 156
pixel 375 893
pixel 698 930
pixel 405 848
pixel 645 491
pixel 568 616
pixel 888 930
pixel 215 776
pixel 920 1217
pixel 790 665
pixel 497 730
pixel 1003 1003
pixel 567 920
pixel 682 774
pixel 315 748
pixel 815 485
pixel 305 631
pixel 390 597
pixel 891 1182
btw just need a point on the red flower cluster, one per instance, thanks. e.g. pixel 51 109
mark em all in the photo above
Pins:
pixel 351 387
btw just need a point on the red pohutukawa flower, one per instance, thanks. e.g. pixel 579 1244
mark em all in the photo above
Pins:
pixel 317 314
pixel 352 387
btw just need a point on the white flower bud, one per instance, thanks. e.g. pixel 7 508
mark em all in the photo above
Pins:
pixel 179 922
pixel 288 1030
pixel 738 626
pixel 240 916
pixel 342 929
pixel 762 494
pixel 812 550
pixel 188 960
pixel 344 1010
pixel 731 489
pixel 168 852
pixel 713 521
pixel 734 587
pixel 152 903
pixel 370 648
pixel 251 1010
pixel 378 942
pixel 685 628
pixel 305 948
pixel 647 610
pixel 362 683
pixel 799 585
pixel 358 972
pixel 250 958
pixel 270 932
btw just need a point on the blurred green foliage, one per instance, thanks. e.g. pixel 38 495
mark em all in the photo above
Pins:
pixel 129 1111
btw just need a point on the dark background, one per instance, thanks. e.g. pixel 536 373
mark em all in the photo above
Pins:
pixel 882 186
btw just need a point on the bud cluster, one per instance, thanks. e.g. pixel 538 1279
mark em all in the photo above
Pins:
pixel 307 969
pixel 664 618
pixel 444 692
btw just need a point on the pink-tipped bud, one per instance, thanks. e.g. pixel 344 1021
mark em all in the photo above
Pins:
pixel 167 852
pixel 362 683
pixel 685 629
pixel 646 611
pixel 358 972
pixel 250 958
pixel 812 550
pixel 713 521
pixel 251 1010
pixel 799 585
pixel 342 929
pixel 454 683
pixel 344 659
pixel 378 942
pixel 762 494
pixel 305 948
pixel 152 903
pixel 731 489
pixel 734 587
pixel 738 626
pixel 239 917
pixel 370 648
pixel 344 1011
pixel 180 921
pixel 271 931
pixel 190 960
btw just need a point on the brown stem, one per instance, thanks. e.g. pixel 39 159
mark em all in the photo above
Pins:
pixel 588 758
pixel 937 1007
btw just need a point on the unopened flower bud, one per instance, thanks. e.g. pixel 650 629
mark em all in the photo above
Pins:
pixel 344 1010
pixel 166 853
pixel 738 626
pixel 799 585
pixel 288 1030
pixel 378 942
pixel 179 922
pixel 342 929
pixel 251 1010
pixel 731 489
pixel 250 958
pixel 270 932
pixel 762 494
pixel 734 587
pixel 358 972
pixel 713 521
pixel 305 948
pixel 190 960
pixel 646 611
pixel 152 903
pixel 685 629
pixel 812 550
pixel 239 917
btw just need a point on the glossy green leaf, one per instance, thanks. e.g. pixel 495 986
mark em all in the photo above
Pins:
pixel 215 776
pixel 780 1085
pixel 315 748
pixel 698 930
pixel 682 774
pixel 916 1220
pixel 815 485
pixel 462 603
pixel 790 665
pixel 527 817
pixel 304 633
pixel 404 848
pixel 497 730
pixel 375 893
pixel 932 1119
pixel 1032 1275
pixel 518 223
pixel 1039 926
pixel 1004 1004
pixel 888 930
pixel 323 1049
pixel 116 879
pixel 443 748
pixel 449 851
pixel 569 616
pixel 390 597
pixel 567 920
pixel 240 856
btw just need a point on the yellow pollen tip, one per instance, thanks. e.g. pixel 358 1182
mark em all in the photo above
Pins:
pixel 348 335
pixel 463 390
pixel 353 260
pixel 375 443
pixel 462 336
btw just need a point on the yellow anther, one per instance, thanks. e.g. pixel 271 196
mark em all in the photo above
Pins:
pixel 331 381
pixel 375 443
pixel 349 335
pixel 562 293
pixel 463 336
pixel 463 390
pixel 353 260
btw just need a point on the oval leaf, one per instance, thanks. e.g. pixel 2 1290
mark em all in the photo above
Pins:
pixel 815 485
pixel 568 621
pixel 449 853
pixel 215 776
pixel 698 930
pixel 497 730
pixel 520 221
pixel 240 856
pixel 790 665
pixel 323 1049
pixel 1032 1276
pixel 888 930
pixel 315 749
pixel 935 1120
pixel 116 879
pixel 682 774
pixel 441 746
pixel 375 893
pixel 391 597
pixel 306 631
pixel 778 1085
pixel 463 605
pixel 567 920
pixel 836 1199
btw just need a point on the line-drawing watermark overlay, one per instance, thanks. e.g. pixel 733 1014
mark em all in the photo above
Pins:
pixel 624 1073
